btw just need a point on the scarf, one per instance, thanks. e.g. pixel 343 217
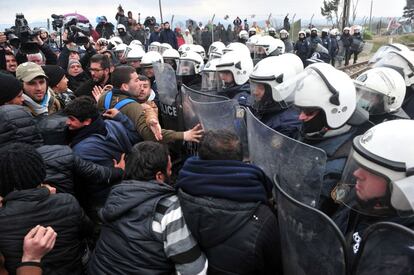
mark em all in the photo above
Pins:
pixel 227 179
pixel 38 108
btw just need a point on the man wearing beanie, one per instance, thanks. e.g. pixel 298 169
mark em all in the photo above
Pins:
pixel 58 84
pixel 24 204
pixel 36 97
pixel 76 75
pixel 11 90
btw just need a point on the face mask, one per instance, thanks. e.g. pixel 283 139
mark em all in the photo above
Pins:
pixel 314 125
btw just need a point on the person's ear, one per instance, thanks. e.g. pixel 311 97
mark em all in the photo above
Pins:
pixel 160 177
pixel 87 121
pixel 124 87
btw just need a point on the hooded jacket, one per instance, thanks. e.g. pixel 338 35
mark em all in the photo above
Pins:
pixel 127 218
pixel 17 125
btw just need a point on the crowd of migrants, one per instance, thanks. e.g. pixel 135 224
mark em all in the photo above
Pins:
pixel 95 179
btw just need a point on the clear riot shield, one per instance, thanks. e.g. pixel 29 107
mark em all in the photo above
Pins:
pixel 312 243
pixel 298 167
pixel 226 114
pixel 190 118
pixel 340 56
pixel 386 248
pixel 168 95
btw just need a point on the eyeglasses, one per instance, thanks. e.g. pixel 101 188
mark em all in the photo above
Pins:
pixel 95 70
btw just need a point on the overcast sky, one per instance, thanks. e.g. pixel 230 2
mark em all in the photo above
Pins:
pixel 40 10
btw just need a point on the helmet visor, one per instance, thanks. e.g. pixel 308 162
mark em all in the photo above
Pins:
pixel 372 101
pixel 395 61
pixel 365 190
pixel 153 48
pixel 210 81
pixel 186 67
pixel 260 52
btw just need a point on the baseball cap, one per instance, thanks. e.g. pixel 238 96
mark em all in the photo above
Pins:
pixel 28 71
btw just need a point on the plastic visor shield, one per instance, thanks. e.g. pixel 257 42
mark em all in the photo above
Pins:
pixel 312 243
pixel 386 248
pixel 297 167
pixel 214 55
pixel 211 82
pixel 372 101
pixel 398 63
pixel 186 67
pixel 286 91
pixel 381 52
pixel 260 52
pixel 367 192
pixel 261 94
pixel 152 48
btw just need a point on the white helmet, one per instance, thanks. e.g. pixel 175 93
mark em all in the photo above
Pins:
pixel 190 63
pixel 401 61
pixel 347 29
pixel 273 71
pixel 237 46
pixel 185 48
pixel 164 47
pixel 154 46
pixel 120 27
pixel 301 32
pixel 323 87
pixel 171 55
pixel 334 32
pixel 387 48
pixel 252 41
pixel 271 29
pixel 268 46
pixel 239 64
pixel 314 30
pixel 135 54
pixel 380 90
pixel 252 31
pixel 307 31
pixel 243 34
pixel 325 30
pixel 115 40
pixel 386 151
pixel 120 48
pixel 283 33
pixel 216 50
pixel 210 79
pixel 200 50
pixel 151 57
pixel 103 41
pixel 136 44
pixel 357 28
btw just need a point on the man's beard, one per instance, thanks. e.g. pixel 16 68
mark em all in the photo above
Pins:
pixel 100 80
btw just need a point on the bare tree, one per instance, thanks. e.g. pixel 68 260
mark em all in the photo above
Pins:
pixel 330 9
pixel 354 10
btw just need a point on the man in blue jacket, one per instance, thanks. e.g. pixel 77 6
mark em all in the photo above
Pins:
pixel 168 36
pixel 97 140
